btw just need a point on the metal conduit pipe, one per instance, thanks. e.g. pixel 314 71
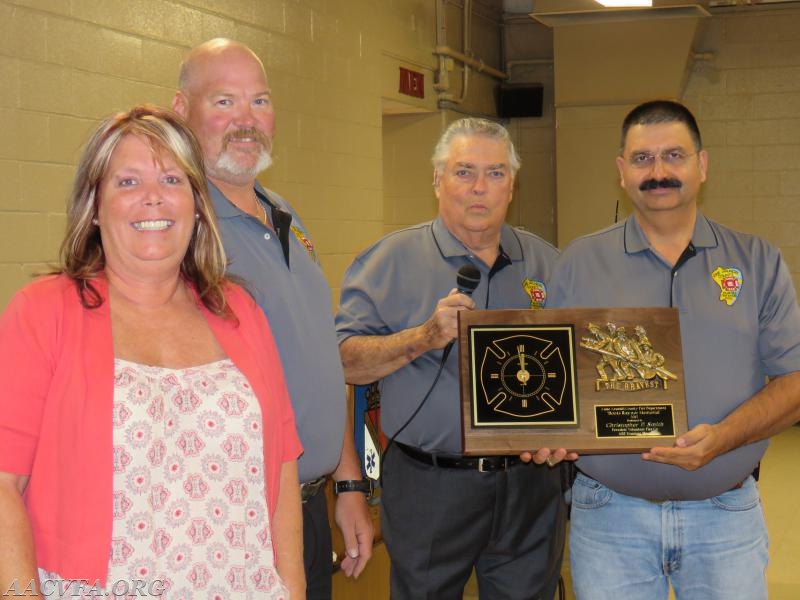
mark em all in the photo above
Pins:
pixel 444 52
pixel 443 84
pixel 466 29
pixel 476 64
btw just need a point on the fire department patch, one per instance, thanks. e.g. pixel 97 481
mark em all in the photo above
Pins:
pixel 729 281
pixel 298 233
pixel 536 290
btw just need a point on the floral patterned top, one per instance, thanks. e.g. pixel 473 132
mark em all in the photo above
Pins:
pixel 190 509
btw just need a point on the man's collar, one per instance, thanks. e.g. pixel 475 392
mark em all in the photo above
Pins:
pixel 450 245
pixel 636 240
pixel 225 209
pixel 262 195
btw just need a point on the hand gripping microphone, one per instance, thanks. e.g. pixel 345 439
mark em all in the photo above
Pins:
pixel 467 280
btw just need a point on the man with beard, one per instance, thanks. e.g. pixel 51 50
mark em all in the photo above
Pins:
pixel 226 99
pixel 687 515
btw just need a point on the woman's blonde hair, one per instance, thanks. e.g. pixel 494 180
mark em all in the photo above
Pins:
pixel 82 256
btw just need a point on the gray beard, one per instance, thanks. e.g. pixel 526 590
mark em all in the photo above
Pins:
pixel 226 164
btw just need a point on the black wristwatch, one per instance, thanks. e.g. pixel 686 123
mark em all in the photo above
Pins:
pixel 353 485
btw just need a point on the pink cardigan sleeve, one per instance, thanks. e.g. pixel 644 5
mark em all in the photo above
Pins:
pixel 28 338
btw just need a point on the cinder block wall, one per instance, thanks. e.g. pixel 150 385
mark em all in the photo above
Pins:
pixel 66 64
pixel 748 102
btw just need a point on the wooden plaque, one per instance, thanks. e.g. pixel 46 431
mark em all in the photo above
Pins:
pixel 591 380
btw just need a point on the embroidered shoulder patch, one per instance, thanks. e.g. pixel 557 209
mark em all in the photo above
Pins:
pixel 298 233
pixel 729 280
pixel 536 290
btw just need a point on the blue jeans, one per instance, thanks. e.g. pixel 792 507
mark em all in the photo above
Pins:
pixel 625 547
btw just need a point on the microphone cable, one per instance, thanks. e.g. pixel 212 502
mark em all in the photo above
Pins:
pixel 467 280
pixel 416 411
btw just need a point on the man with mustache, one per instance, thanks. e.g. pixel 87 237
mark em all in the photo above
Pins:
pixel 226 99
pixel 688 516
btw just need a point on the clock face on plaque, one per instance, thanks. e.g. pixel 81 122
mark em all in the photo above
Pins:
pixel 523 375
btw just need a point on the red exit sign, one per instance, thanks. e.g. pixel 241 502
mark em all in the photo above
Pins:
pixel 412 83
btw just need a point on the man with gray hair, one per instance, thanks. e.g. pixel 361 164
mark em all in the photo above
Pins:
pixel 226 99
pixel 444 514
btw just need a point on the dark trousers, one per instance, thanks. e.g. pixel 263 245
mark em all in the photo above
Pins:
pixel 317 548
pixel 439 523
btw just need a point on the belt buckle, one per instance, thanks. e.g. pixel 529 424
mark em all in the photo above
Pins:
pixel 309 489
pixel 485 464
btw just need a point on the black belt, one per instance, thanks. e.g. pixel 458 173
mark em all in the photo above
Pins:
pixel 484 464
pixel 309 489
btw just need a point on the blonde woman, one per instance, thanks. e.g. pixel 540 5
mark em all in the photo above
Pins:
pixel 147 443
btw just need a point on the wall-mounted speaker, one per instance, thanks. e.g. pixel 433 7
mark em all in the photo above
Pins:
pixel 519 100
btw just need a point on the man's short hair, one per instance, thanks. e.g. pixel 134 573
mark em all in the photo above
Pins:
pixel 470 127
pixel 661 111
pixel 213 46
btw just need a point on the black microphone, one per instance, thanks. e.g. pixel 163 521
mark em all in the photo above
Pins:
pixel 467 280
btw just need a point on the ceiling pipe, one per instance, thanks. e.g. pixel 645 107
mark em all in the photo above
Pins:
pixel 446 54
pixel 466 26
pixel 476 64
pixel 442 83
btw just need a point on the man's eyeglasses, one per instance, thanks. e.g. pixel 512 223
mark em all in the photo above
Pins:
pixel 646 160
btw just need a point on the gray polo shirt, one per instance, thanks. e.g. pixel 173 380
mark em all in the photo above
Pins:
pixel 297 301
pixel 739 324
pixel 396 283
